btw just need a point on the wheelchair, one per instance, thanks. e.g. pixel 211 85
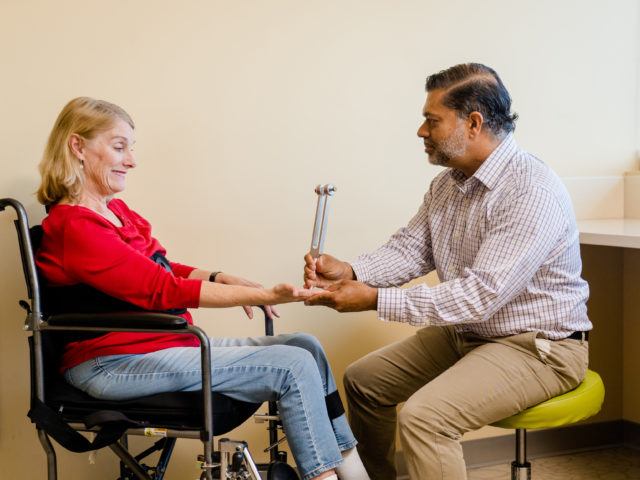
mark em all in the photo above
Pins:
pixel 61 411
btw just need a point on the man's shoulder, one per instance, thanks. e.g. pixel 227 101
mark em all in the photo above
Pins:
pixel 526 172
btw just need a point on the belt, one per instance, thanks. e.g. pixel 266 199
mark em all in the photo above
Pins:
pixel 578 336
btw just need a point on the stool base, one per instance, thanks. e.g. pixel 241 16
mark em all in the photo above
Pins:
pixel 520 471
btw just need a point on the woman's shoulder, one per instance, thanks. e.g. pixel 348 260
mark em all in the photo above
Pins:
pixel 65 217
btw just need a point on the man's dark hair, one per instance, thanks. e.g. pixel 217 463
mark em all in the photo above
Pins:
pixel 473 87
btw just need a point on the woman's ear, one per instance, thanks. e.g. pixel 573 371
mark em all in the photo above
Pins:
pixel 76 144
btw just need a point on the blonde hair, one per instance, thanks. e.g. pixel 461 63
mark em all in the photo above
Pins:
pixel 61 172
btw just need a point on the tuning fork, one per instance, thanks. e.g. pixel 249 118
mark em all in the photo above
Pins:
pixel 325 192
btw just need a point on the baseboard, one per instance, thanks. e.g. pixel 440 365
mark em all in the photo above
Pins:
pixel 545 443
pixel 631 434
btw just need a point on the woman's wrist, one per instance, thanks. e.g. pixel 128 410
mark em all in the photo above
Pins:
pixel 215 275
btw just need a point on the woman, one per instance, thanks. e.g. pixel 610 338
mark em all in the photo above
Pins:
pixel 93 241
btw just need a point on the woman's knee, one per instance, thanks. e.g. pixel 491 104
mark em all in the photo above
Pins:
pixel 292 357
pixel 307 342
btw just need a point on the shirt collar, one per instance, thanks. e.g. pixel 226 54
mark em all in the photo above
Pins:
pixel 491 169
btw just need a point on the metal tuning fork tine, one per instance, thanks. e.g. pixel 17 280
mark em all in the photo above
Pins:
pixel 325 192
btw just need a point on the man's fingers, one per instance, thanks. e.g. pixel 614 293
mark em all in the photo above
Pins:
pixel 322 283
pixel 309 273
pixel 310 261
pixel 324 298
pixel 332 287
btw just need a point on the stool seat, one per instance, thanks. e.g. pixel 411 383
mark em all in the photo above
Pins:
pixel 582 402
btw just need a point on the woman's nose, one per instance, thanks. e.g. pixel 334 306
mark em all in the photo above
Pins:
pixel 130 160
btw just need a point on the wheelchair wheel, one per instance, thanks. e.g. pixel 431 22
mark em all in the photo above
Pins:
pixel 281 471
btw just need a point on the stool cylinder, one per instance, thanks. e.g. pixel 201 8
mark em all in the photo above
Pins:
pixel 521 468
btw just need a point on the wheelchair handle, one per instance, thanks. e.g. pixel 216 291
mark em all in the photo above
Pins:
pixel 24 240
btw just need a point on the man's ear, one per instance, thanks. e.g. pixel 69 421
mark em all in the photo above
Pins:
pixel 475 122
pixel 76 144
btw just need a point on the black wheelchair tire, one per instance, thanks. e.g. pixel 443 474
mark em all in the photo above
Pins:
pixel 281 471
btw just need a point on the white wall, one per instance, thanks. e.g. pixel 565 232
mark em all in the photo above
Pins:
pixel 242 107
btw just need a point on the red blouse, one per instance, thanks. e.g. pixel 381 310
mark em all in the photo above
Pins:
pixel 81 246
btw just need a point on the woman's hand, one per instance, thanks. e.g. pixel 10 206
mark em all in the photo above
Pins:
pixel 228 279
pixel 286 293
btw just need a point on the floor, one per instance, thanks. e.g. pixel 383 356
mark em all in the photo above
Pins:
pixel 620 463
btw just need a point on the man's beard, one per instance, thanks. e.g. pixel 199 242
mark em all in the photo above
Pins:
pixel 451 147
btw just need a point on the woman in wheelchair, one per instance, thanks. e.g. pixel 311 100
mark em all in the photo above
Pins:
pixel 104 256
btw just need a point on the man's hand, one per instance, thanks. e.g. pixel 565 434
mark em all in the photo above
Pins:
pixel 227 279
pixel 325 270
pixel 346 296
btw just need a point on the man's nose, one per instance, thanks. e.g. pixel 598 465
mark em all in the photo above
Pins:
pixel 423 131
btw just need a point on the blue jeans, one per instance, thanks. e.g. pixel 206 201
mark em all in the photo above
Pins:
pixel 291 369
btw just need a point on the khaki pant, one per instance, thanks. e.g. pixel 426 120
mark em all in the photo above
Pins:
pixel 452 383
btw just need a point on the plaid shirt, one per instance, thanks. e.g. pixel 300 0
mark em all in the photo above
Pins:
pixel 505 245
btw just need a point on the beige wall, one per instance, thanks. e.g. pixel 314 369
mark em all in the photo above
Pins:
pixel 242 107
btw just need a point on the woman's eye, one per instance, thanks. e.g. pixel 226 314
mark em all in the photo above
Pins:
pixel 119 148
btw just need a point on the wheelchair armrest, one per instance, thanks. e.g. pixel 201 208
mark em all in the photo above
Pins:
pixel 136 320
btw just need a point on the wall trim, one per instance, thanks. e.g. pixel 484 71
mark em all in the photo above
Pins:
pixel 545 443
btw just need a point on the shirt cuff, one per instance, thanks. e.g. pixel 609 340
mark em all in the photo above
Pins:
pixel 361 271
pixel 180 270
pixel 390 304
pixel 192 292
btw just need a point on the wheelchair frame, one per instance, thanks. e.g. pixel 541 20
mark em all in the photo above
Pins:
pixel 233 459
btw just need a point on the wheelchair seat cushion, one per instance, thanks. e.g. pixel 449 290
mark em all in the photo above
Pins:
pixel 174 410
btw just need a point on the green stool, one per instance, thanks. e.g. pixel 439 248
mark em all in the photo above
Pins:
pixel 580 403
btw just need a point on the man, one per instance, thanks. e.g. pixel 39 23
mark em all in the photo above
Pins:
pixel 506 327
